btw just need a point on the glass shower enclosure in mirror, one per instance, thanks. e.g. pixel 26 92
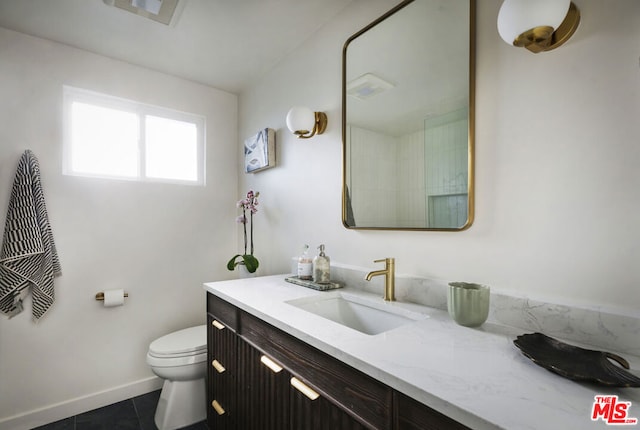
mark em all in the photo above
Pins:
pixel 408 119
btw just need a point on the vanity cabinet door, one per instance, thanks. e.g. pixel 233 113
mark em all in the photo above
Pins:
pixel 413 415
pixel 318 414
pixel 263 385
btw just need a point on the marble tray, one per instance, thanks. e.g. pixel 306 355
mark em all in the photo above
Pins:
pixel 313 285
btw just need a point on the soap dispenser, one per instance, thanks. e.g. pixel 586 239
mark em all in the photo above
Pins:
pixel 321 267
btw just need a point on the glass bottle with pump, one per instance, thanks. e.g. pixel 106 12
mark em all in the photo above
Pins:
pixel 321 267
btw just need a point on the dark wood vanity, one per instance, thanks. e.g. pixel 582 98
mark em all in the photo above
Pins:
pixel 261 378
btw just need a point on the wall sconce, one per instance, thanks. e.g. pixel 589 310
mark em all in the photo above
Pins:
pixel 540 25
pixel 305 123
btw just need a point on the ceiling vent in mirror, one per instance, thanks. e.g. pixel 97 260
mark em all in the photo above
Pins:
pixel 367 86
pixel 162 11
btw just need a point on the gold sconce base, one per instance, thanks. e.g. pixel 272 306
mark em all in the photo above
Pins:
pixel 543 38
pixel 321 122
pixel 318 128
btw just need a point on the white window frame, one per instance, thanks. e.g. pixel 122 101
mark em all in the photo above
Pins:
pixel 141 110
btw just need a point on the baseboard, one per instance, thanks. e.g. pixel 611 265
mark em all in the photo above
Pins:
pixel 69 408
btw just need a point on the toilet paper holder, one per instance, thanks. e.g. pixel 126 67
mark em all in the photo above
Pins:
pixel 100 295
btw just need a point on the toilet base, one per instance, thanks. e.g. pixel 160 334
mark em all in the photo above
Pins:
pixel 181 403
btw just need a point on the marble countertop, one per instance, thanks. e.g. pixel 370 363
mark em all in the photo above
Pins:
pixel 473 375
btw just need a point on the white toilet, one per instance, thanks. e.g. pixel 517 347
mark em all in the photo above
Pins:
pixel 180 358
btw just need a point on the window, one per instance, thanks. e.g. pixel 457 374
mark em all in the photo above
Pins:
pixel 110 137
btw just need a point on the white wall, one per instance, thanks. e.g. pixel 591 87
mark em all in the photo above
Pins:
pixel 557 158
pixel 158 242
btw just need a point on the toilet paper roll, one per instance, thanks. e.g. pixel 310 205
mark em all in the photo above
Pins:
pixel 113 298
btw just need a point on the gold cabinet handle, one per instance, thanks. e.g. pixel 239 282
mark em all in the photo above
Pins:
pixel 217 324
pixel 275 367
pixel 304 388
pixel 219 367
pixel 217 407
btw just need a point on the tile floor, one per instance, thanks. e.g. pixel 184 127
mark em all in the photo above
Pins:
pixel 132 414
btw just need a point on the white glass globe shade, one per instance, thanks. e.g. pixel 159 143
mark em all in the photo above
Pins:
pixel 300 118
pixel 518 16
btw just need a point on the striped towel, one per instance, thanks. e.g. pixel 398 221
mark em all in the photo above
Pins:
pixel 28 257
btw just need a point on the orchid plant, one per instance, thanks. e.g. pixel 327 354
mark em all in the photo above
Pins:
pixel 248 204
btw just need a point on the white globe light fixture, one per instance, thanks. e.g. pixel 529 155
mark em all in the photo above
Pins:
pixel 538 25
pixel 305 123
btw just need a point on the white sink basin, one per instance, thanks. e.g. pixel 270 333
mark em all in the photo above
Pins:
pixel 366 313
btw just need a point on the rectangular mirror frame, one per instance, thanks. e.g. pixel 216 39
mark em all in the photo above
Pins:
pixel 471 125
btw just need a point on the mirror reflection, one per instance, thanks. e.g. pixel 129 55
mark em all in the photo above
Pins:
pixel 408 119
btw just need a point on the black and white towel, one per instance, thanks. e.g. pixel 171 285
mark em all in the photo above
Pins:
pixel 28 257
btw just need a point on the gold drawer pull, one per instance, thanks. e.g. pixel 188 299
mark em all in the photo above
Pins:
pixel 219 367
pixel 217 407
pixel 217 325
pixel 275 367
pixel 304 388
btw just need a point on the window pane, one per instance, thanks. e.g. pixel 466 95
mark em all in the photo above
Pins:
pixel 171 149
pixel 108 136
pixel 104 141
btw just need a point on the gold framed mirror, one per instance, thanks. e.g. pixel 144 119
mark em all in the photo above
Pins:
pixel 408 109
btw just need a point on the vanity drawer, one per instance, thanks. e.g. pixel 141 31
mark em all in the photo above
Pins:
pixel 224 312
pixel 361 396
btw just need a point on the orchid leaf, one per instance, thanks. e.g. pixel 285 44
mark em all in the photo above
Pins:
pixel 231 265
pixel 248 260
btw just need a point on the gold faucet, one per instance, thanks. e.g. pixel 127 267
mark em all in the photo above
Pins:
pixel 389 280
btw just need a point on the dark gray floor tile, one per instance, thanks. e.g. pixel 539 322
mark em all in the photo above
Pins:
pixel 133 414
pixel 120 416
pixel 65 424
pixel 146 408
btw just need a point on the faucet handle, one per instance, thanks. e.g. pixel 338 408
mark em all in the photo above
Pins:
pixel 387 261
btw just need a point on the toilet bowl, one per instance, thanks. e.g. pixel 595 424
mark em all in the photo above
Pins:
pixel 180 358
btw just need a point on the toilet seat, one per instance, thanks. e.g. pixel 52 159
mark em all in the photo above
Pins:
pixel 186 360
pixel 180 348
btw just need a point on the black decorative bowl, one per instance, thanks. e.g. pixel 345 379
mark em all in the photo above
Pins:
pixel 576 363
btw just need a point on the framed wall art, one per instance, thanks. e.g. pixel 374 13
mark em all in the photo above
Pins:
pixel 260 151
